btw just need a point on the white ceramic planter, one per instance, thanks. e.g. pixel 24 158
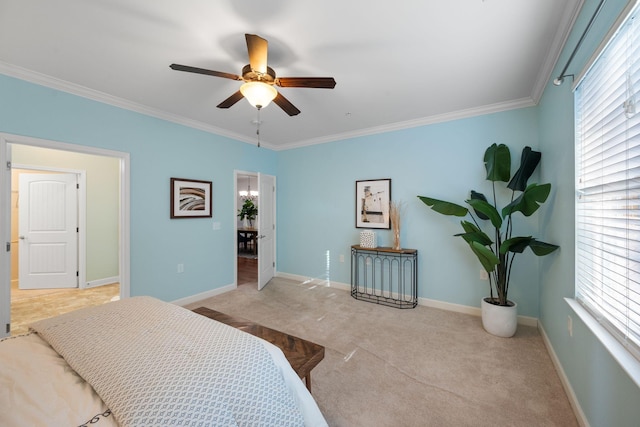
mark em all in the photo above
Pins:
pixel 501 321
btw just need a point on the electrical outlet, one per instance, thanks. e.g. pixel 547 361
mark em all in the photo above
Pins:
pixel 570 325
pixel 341 258
pixel 180 268
pixel 483 274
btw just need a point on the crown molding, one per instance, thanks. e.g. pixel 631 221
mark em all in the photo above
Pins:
pixel 74 89
pixel 94 95
pixel 569 16
pixel 440 118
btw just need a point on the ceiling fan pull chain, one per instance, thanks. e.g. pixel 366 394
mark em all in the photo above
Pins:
pixel 258 128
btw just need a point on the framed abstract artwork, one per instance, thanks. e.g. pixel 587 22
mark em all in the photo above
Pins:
pixel 190 198
pixel 372 203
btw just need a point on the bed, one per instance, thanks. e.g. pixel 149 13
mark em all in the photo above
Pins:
pixel 143 362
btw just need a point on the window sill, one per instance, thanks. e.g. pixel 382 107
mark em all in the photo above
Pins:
pixel 629 364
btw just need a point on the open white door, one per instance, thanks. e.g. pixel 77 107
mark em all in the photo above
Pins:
pixel 48 231
pixel 266 229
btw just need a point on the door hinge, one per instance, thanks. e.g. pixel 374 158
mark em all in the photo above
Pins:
pixel 77 274
pixel 274 263
pixel 77 229
pixel 77 186
pixel 8 327
pixel 8 165
pixel 8 246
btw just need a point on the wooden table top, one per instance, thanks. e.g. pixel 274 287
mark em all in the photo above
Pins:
pixel 303 355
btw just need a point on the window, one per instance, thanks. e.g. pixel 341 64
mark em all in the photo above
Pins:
pixel 608 186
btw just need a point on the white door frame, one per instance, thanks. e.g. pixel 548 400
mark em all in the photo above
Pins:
pixel 82 214
pixel 124 260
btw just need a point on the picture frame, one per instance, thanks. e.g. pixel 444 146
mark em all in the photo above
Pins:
pixel 191 198
pixel 372 203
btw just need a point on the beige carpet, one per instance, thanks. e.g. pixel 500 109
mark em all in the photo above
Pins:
pixel 418 367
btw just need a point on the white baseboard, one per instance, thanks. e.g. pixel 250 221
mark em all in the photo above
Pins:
pixel 102 282
pixel 573 400
pixel 475 311
pixel 316 280
pixel 204 295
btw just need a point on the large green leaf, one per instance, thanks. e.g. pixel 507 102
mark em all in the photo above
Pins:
pixel 445 208
pixel 515 244
pixel 497 162
pixel 479 196
pixel 541 248
pixel 519 244
pixel 528 163
pixel 529 201
pixel 487 209
pixel 474 234
pixel 486 257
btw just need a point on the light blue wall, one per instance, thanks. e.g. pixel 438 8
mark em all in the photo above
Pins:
pixel 159 150
pixel 607 396
pixel 316 202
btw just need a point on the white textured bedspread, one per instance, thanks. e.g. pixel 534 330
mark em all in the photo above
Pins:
pixel 154 363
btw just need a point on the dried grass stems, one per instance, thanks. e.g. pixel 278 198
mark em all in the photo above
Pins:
pixel 395 211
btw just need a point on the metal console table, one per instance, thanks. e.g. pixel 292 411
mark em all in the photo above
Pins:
pixel 385 276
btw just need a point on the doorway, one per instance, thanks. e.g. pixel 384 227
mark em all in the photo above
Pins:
pixel 247 201
pixel 116 282
pixel 260 190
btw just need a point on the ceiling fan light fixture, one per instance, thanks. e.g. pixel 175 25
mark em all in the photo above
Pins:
pixel 258 94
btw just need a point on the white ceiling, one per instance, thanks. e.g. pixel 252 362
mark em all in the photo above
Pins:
pixel 397 64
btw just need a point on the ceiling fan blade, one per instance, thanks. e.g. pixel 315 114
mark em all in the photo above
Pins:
pixel 257 48
pixel 314 82
pixel 286 105
pixel 189 69
pixel 231 100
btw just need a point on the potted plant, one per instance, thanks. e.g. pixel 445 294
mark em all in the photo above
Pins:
pixel 496 250
pixel 249 212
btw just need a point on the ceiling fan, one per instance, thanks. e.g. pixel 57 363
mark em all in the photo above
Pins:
pixel 259 79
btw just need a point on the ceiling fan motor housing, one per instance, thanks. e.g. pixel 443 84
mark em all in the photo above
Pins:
pixel 250 75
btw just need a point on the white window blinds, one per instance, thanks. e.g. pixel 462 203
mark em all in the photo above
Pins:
pixel 608 186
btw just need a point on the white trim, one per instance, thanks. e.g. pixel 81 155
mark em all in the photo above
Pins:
pixel 5 237
pixel 102 282
pixel 455 115
pixel 51 82
pixel 569 16
pixel 315 280
pixel 458 308
pixel 474 311
pixel 627 361
pixel 95 95
pixel 566 384
pixel 204 295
